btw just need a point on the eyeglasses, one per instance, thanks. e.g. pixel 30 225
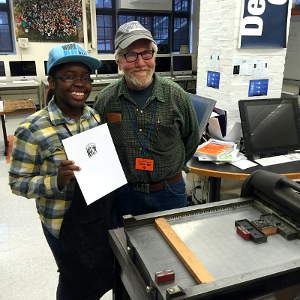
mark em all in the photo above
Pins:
pixel 133 56
pixel 71 79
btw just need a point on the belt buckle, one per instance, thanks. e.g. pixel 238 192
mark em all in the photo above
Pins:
pixel 142 187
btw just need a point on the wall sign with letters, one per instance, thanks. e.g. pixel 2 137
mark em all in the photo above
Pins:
pixel 263 24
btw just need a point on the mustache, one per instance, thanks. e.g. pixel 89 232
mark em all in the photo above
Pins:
pixel 141 69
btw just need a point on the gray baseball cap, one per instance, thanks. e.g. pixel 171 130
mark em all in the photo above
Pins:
pixel 131 32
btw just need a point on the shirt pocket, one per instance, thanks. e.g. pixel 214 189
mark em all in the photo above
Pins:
pixel 167 135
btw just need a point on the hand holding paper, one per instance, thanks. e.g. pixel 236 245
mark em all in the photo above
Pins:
pixel 66 173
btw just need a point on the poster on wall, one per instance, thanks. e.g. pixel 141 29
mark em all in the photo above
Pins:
pixel 49 21
pixel 263 24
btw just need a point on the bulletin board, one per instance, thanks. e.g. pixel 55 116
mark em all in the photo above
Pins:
pixel 49 21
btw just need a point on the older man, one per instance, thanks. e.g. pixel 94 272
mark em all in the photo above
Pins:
pixel 152 123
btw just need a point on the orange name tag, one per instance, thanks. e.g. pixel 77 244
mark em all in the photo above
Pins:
pixel 144 164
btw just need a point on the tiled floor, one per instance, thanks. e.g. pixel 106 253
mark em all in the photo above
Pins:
pixel 27 268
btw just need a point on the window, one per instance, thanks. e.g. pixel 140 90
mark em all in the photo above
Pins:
pixel 103 3
pixel 105 33
pixel 181 5
pixel 105 25
pixel 161 33
pixel 170 30
pixel 157 24
pixel 181 23
pixel 181 33
pixel 6 43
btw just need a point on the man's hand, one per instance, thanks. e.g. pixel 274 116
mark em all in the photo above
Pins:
pixel 66 173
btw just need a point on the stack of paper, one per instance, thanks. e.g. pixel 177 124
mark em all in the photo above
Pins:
pixel 216 150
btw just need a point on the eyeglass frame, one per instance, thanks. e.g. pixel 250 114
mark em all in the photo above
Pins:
pixel 71 79
pixel 139 53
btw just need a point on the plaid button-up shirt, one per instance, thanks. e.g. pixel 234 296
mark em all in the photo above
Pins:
pixel 37 153
pixel 164 130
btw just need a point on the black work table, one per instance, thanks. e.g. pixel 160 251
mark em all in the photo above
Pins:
pixel 216 172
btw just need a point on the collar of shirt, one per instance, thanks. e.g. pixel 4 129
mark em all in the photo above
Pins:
pixel 57 117
pixel 157 91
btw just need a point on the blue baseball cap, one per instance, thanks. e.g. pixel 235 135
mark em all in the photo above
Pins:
pixel 71 52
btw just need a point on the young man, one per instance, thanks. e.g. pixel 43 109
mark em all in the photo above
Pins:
pixel 153 125
pixel 75 232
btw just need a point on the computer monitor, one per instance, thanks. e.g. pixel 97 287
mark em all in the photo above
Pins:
pixel 108 68
pixel 163 65
pixel 2 68
pixel 22 69
pixel 269 126
pixel 182 65
pixel 45 67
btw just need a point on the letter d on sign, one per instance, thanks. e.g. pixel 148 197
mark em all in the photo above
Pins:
pixel 263 24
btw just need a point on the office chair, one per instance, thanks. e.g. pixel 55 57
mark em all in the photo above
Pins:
pixel 203 107
pixel 191 91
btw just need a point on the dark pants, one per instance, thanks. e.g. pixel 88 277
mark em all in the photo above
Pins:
pixel 129 201
pixel 82 253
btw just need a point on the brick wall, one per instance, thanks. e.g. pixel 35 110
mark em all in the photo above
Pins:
pixel 218 35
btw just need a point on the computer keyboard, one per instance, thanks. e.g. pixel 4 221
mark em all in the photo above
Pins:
pixel 279 159
pixel 104 81
pixel 183 76
pixel 23 81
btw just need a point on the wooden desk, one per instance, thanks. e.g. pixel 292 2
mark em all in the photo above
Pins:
pixel 216 172
pixel 14 107
pixel 21 89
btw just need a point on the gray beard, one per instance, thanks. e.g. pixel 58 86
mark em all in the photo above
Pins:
pixel 139 84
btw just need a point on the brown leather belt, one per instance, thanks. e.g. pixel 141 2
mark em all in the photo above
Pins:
pixel 154 187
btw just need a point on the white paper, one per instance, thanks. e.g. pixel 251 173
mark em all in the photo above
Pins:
pixel 233 134
pixel 246 68
pixel 214 128
pixel 1 105
pixel 279 159
pixel 94 152
pixel 243 164
pixel 261 68
pixel 214 62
